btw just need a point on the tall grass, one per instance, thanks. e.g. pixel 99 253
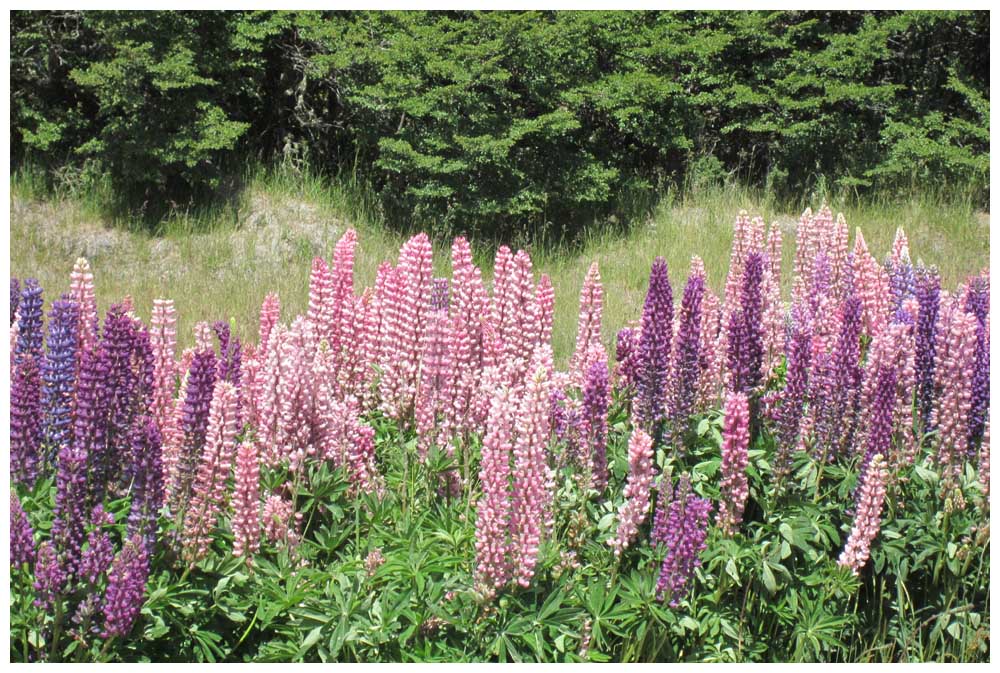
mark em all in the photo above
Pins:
pixel 262 236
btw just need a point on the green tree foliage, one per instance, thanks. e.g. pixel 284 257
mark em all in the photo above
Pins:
pixel 488 122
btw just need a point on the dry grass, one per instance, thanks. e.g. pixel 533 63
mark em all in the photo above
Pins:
pixel 223 271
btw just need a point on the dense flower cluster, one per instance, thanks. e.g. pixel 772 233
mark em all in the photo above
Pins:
pixel 735 443
pixel 640 479
pixel 682 529
pixel 868 516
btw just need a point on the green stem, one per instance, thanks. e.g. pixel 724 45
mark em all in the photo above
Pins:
pixel 56 629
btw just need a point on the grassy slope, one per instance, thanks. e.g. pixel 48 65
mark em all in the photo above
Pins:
pixel 221 265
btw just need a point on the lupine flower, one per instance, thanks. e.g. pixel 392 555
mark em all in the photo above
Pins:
pixel 872 284
pixel 654 346
pixel 735 444
pixel 793 397
pixel 837 384
pixel 868 516
pixel 435 388
pixel 22 537
pixel 50 578
pixel 984 462
pixel 627 357
pixel 640 478
pixel 123 597
pixel 270 312
pixel 532 478
pixel 977 302
pixel 588 329
pixel 879 438
pixel 246 500
pixel 147 479
pixel 712 350
pixel 687 355
pixel 197 401
pixel 209 489
pixel 81 289
pixel 59 372
pixel 928 293
pixel 594 422
pixel 281 521
pixel 15 297
pixel 684 533
pixel 545 301
pixel 96 559
pixel 774 310
pixel 321 304
pixel 230 354
pixel 439 295
pixel 493 511
pixel 745 332
pixel 29 324
pixel 25 421
pixel 951 410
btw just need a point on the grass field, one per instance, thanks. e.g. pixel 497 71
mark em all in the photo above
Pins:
pixel 265 239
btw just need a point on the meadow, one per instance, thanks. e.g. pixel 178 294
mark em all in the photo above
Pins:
pixel 284 433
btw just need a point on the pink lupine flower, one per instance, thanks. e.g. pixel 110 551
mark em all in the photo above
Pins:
pixel 208 492
pixel 532 476
pixel 900 248
pixel 270 313
pixel 470 302
pixel 872 283
pixel 81 290
pixel 640 479
pixel 342 297
pixel 493 511
pixel 163 339
pixel 436 388
pixel 712 350
pixel 588 330
pixel 735 444
pixel 774 310
pixel 246 500
pixel 545 300
pixel 951 409
pixel 868 516
pixel 321 301
pixel 281 522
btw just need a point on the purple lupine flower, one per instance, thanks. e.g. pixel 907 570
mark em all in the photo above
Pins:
pixel 439 295
pixel 837 385
pixel 230 354
pixel 147 484
pixel 90 425
pixel 793 396
pixel 29 325
pixel 126 586
pixel 660 529
pixel 69 515
pixel 594 419
pixel 22 537
pixel 119 341
pixel 99 552
pixel 654 346
pixel 902 284
pixel 883 404
pixel 15 296
pixel 977 301
pixel 59 374
pixel 627 357
pixel 928 293
pixel 200 386
pixel 25 421
pixel 558 414
pixel 746 337
pixel 684 536
pixel 50 578
pixel 687 356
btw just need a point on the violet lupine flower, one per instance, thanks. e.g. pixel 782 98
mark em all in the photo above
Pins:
pixel 50 578
pixel 684 533
pixel 200 386
pixel 658 532
pixel 230 354
pixel 72 495
pixel 246 500
pixel 96 559
pixel 745 353
pixel 123 597
pixel 687 357
pixel 29 325
pixel 25 421
pixel 868 516
pixel 22 537
pixel 735 445
pixel 493 511
pixel 837 384
pixel 532 478
pixel 627 357
pixel 977 300
pixel 59 373
pixel 15 297
pixel 928 293
pixel 883 403
pixel 640 478
pixel 654 347
pixel 90 425
pixel 147 480
pixel 902 283
pixel 793 396
pixel 594 421
pixel 208 492
pixel 119 342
